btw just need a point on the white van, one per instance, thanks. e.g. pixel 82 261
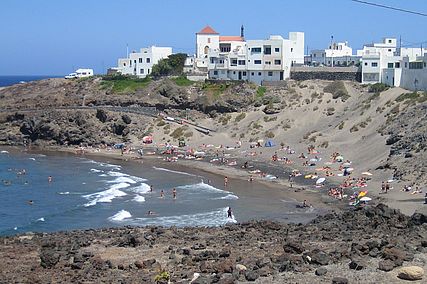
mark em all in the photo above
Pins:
pixel 80 73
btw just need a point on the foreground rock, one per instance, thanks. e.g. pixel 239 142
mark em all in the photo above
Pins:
pixel 330 247
pixel 411 273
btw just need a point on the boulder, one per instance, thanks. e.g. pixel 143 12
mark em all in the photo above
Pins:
pixel 320 257
pixel 339 280
pixel 357 263
pixel 411 273
pixel 241 267
pixel 48 258
pixel 386 265
pixel 101 115
pixel 251 275
pixel 126 119
pixel 321 271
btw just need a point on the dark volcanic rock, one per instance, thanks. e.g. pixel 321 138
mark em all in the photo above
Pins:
pixel 321 271
pixel 339 280
pixel 357 264
pixel 319 257
pixel 251 275
pixel 386 265
pixel 101 115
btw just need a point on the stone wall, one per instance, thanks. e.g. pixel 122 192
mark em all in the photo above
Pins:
pixel 326 73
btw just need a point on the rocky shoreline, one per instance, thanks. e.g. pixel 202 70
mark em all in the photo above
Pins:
pixel 369 245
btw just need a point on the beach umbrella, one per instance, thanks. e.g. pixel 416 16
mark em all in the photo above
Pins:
pixel 361 194
pixel 320 180
pixel 365 199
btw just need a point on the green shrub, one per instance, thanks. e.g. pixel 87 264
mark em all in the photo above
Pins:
pixel 338 90
pixel 162 276
pixel 269 134
pixel 341 125
pixel 161 123
pixel 261 91
pixel 240 116
pixel 182 81
pixel 124 84
pixel 414 97
pixel 378 88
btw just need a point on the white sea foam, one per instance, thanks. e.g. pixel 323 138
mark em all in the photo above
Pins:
pixel 117 174
pixel 203 186
pixel 212 218
pixel 32 159
pixel 121 215
pixel 4 152
pixel 139 198
pixel 229 196
pixel 95 171
pixel 64 193
pixel 172 171
pixel 16 228
pixel 106 196
pixel 40 219
pixel 140 189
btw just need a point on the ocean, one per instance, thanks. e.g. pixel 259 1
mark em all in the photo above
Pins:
pixel 11 80
pixel 85 193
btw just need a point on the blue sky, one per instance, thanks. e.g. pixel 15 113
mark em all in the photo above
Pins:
pixel 54 37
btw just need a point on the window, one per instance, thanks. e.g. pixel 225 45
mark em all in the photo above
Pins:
pixel 233 62
pixel 244 73
pixel 415 65
pixel 141 71
pixel 215 72
pixel 225 47
pixel 425 65
pixel 366 63
pixel 134 61
pixel 389 41
pixel 209 40
pixel 140 60
pixel 277 62
pixel 314 55
pixel 256 50
pixel 234 72
pixel 390 65
pixel 270 73
pixel 267 49
pixel 406 64
pixel 292 49
pixel 374 64
pixel 259 73
pixel 277 49
pixel 257 61
pixel 397 65
pixel 124 63
pixel 268 63
pixel 252 73
pixel 242 62
pixel 148 60
pixel 148 71
pixel 212 60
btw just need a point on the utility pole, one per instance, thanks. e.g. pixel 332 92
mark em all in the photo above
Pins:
pixel 332 48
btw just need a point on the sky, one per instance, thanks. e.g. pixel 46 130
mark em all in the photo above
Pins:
pixel 55 37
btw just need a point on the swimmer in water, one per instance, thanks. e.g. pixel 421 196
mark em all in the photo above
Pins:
pixel 162 194
pixel 49 179
pixel 225 181
pixel 229 213
pixel 174 193
pixel 30 202
pixel 151 213
pixel 151 188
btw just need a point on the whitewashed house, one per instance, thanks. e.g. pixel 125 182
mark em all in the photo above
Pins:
pixel 414 73
pixel 233 58
pixel 337 54
pixel 141 63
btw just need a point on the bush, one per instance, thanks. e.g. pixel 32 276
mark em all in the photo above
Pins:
pixel 240 116
pixel 378 88
pixel 173 65
pixel 338 90
pixel 182 81
pixel 414 97
pixel 260 91
pixel 124 84
pixel 269 134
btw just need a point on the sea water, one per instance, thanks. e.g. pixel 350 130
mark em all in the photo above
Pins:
pixel 85 193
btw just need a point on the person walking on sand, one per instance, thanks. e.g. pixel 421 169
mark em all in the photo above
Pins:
pixel 162 194
pixel 225 181
pixel 174 193
pixel 229 213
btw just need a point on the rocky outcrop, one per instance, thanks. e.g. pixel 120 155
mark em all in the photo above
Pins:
pixel 250 251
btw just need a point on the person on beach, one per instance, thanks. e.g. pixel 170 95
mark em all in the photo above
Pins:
pixel 251 179
pixel 225 181
pixel 162 194
pixel 49 179
pixel 229 213
pixel 305 204
pixel 174 193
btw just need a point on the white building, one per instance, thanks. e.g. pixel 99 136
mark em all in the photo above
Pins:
pixel 141 63
pixel 386 63
pixel 337 54
pixel 233 58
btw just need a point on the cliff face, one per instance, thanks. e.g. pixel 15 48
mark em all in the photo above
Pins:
pixel 362 245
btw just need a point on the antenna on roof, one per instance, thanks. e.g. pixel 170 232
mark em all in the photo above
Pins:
pixel 242 31
pixel 127 50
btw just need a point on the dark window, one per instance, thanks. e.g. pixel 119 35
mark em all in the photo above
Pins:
pixel 244 73
pixel 366 63
pixel 212 60
pixel 242 62
pixel 148 71
pixel 268 63
pixel 270 73
pixel 256 50
pixel 277 62
pixel 141 71
pixel 415 65
pixel 374 64
pixel 390 65
pixel 267 49
pixel 259 73
pixel 148 60
pixel 292 49
pixel 252 73
pixel 277 49
pixel 140 60
pixel 257 61
pixel 233 62
pixel 215 72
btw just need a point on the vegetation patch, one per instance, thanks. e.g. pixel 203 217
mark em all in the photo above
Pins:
pixel 338 90
pixel 171 66
pixel 240 117
pixel 124 84
pixel 378 88
pixel 182 81
pixel 412 98
pixel 179 132
pixel 269 134
pixel 260 92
